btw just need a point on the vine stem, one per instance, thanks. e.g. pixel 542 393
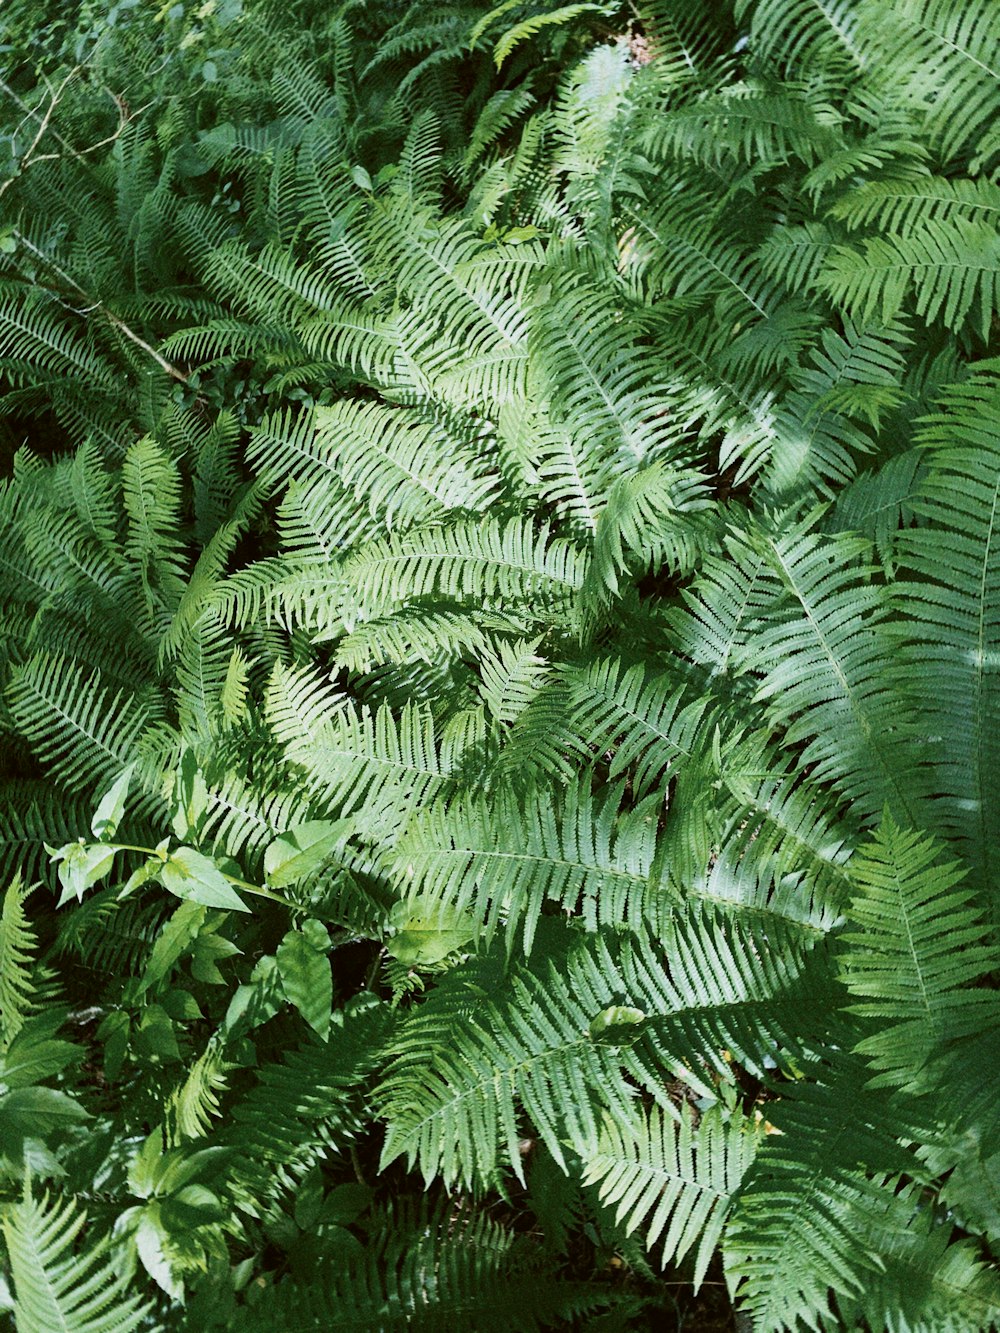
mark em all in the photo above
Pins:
pixel 236 882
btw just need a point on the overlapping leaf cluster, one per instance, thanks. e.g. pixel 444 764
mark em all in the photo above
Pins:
pixel 500 617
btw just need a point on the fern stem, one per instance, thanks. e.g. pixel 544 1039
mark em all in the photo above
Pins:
pixel 264 893
pixel 236 882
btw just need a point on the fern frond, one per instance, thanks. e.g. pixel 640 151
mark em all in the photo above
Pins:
pixel 654 520
pixel 447 272
pixel 200 593
pixel 899 206
pixel 776 844
pixel 528 27
pixel 856 373
pixel 202 668
pixel 112 938
pixel 749 123
pixel 823 651
pixel 511 676
pixel 17 946
pixel 942 58
pixel 571 475
pixel 32 337
pixel 796 255
pixel 805 34
pixel 504 109
pixel 57 1289
pixel 151 491
pixel 576 1031
pixel 685 255
pixel 354 757
pixel 194 1104
pixel 711 629
pixel 951 270
pixel 805 1229
pixel 928 1277
pixel 954 606
pixel 680 1178
pixel 607 710
pixel 482 562
pixel 569 851
pixel 590 156
pixel 319 520
pixel 879 503
pixel 244 815
pixel 306 1108
pixel 430 1271
pixel 404 469
pixel 75 725
pixel 367 342
pixel 269 285
pixel 31 815
pixel 917 941
pixel 415 635
pixel 822 427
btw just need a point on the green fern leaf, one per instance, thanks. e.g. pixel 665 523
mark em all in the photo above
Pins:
pixel 572 851
pixel 429 1271
pixel 678 1178
pixel 952 270
pixel 805 33
pixel 84 733
pixel 954 643
pixel 305 1108
pixel 534 1043
pixel 17 945
pixel 899 206
pixel 805 1231
pixel 916 943
pixel 930 1279
pixel 57 1289
pixel 943 62
pixel 484 562
pixel 352 756
pixel 513 37
pixel 824 653
pixel 636 718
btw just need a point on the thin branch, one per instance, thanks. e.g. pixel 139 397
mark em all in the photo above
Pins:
pixel 168 367
pixel 29 158
pixel 93 304
pixel 373 971
pixel 101 143
pixel 43 125
pixel 31 111
pixel 356 1163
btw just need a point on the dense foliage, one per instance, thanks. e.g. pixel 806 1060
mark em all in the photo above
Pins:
pixel 500 625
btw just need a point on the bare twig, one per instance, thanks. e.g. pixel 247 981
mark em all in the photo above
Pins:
pixel 356 1163
pixel 373 971
pixel 125 119
pixel 35 115
pixel 93 304
pixel 43 125
pixel 161 361
pixel 29 158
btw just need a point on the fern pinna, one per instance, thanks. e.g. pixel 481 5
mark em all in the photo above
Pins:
pixel 500 615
